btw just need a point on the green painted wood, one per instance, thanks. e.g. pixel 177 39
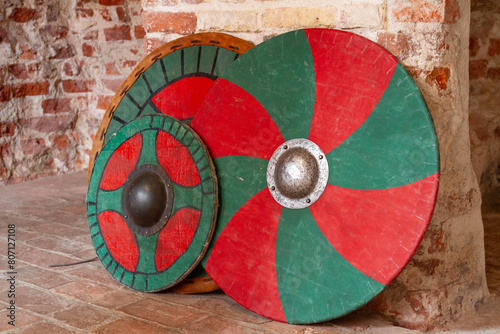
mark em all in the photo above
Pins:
pixel 154 76
pixel 308 267
pixel 239 178
pixel 186 197
pixel 285 90
pixel 393 147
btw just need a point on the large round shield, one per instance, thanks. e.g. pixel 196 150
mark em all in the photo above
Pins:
pixel 171 80
pixel 152 202
pixel 328 168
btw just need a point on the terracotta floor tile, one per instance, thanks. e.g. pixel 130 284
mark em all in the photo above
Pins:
pixel 40 301
pixel 61 245
pixel 219 326
pixel 162 313
pixel 42 328
pixel 39 257
pixel 22 319
pixel 99 295
pixel 132 326
pixel 83 316
pixel 228 308
pixel 41 277
pixel 95 272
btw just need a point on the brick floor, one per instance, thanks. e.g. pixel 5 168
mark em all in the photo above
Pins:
pixel 51 228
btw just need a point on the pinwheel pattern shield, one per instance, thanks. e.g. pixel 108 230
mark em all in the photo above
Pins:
pixel 354 101
pixel 152 203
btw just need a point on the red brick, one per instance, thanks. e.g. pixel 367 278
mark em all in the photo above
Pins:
pixel 477 69
pixel 439 76
pixel 103 102
pixel 129 63
pixel 56 31
pixel 71 69
pixel 117 33
pixel 50 123
pixel 113 85
pixel 77 86
pixel 62 52
pixel 88 50
pixel 493 73
pixel 82 13
pixel 139 32
pixel 27 52
pixel 473 46
pixel 181 23
pixel 18 71
pixel 398 44
pixel 111 2
pixel 56 106
pixel 426 11
pixel 111 69
pixel 60 143
pixel 494 48
pixel 7 129
pixel 4 93
pixel 4 35
pixel 122 14
pixel 30 89
pixel 24 14
pixel 105 14
pixel 451 11
pixel 33 146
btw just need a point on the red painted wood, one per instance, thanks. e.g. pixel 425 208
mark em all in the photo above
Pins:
pixel 351 74
pixel 176 160
pixel 183 98
pixel 119 239
pixel 175 237
pixel 121 163
pixel 237 123
pixel 377 231
pixel 251 263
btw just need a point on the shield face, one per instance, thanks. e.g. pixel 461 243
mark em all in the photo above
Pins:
pixel 359 174
pixel 172 80
pixel 152 203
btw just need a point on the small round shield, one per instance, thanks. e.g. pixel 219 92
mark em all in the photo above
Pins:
pixel 152 203
pixel 328 169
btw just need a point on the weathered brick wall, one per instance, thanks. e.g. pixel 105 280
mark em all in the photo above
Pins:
pixel 484 96
pixel 445 279
pixel 60 63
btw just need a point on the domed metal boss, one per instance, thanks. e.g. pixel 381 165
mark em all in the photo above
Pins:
pixel 297 173
pixel 147 200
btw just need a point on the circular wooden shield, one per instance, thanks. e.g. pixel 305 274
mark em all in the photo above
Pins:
pixel 171 80
pixel 152 202
pixel 313 96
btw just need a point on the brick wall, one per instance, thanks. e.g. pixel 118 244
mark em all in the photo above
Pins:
pixel 60 63
pixel 484 98
pixel 445 279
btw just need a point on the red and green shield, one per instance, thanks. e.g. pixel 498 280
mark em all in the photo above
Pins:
pixel 152 202
pixel 357 106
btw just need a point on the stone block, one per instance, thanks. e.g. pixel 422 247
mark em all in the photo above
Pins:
pixel 231 21
pixel 303 17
